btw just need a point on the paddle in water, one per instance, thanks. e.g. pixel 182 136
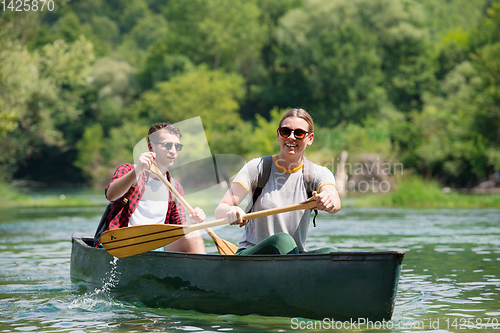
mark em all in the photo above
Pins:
pixel 126 242
pixel 223 246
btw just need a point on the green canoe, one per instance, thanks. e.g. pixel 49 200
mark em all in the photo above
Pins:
pixel 337 286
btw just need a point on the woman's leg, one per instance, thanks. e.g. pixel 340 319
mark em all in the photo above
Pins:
pixel 276 244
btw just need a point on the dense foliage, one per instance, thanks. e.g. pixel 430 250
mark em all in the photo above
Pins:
pixel 413 81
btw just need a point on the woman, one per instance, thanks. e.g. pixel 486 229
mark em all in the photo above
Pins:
pixel 150 202
pixel 282 233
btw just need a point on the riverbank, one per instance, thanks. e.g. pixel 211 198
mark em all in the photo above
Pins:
pixel 14 198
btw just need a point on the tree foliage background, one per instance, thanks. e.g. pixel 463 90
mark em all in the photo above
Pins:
pixel 414 81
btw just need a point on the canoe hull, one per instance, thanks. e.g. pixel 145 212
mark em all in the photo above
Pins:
pixel 339 286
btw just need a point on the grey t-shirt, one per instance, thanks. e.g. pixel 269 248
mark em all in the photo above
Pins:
pixel 284 187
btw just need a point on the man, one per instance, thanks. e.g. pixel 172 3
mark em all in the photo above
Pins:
pixel 150 202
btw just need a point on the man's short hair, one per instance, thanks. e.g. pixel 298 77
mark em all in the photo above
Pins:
pixel 170 128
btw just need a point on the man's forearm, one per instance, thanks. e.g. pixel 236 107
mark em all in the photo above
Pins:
pixel 120 186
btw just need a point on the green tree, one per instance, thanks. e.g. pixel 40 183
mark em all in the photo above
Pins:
pixel 264 134
pixel 220 33
pixel 262 92
pixel 99 156
pixel 112 83
pixel 450 139
pixel 148 31
pixel 453 50
pixel 444 16
pixel 213 95
pixel 90 157
pixel 355 57
pixel 487 62
pixel 162 66
pixel 487 117
pixel 39 93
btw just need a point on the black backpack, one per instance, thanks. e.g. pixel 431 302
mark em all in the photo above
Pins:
pixel 108 215
pixel 265 172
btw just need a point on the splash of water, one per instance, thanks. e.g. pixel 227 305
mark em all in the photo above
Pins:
pixel 100 298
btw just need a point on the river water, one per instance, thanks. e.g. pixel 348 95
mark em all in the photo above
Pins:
pixel 450 280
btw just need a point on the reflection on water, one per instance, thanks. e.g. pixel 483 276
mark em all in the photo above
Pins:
pixel 450 278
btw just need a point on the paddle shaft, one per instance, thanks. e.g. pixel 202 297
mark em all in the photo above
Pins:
pixel 309 204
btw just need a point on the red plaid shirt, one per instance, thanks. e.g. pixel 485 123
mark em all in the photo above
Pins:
pixel 176 214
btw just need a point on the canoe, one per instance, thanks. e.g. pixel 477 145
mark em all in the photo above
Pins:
pixel 338 285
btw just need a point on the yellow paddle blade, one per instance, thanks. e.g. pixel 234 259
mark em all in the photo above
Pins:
pixel 125 242
pixel 223 246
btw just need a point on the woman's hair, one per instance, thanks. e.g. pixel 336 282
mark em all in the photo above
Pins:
pixel 299 113
pixel 168 127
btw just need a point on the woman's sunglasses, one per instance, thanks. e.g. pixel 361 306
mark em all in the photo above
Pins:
pixel 168 145
pixel 298 133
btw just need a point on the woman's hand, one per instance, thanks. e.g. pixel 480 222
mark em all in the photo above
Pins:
pixel 325 201
pixel 235 216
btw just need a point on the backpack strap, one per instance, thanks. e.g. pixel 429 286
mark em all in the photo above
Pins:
pixel 264 173
pixel 308 171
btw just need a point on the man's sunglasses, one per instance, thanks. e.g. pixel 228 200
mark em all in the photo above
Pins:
pixel 168 145
pixel 298 133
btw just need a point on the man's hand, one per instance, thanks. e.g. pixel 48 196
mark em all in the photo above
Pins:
pixel 144 163
pixel 197 216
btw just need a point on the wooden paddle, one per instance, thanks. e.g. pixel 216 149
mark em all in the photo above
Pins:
pixel 223 246
pixel 125 242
